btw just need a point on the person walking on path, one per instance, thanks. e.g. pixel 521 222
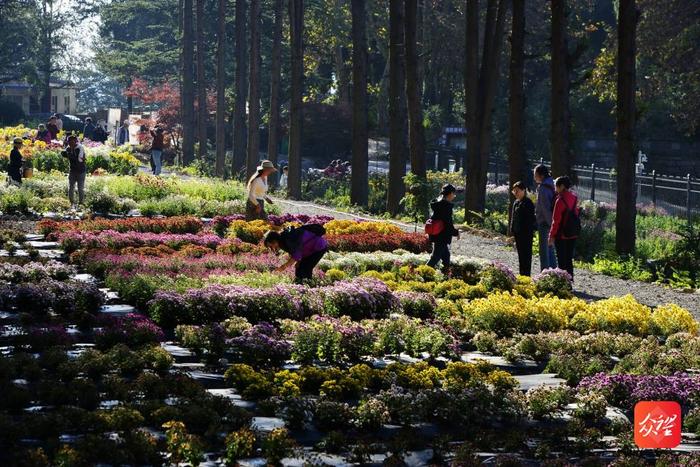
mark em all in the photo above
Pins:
pixel 305 246
pixel 565 224
pixel 89 130
pixel 543 213
pixel 42 134
pixel 442 214
pixel 14 168
pixel 157 150
pixel 257 192
pixel 123 134
pixel 284 177
pixel 523 225
pixel 76 175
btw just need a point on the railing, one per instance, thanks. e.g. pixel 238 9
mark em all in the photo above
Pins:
pixel 678 196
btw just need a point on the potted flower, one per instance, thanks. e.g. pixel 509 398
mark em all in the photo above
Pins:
pixel 27 165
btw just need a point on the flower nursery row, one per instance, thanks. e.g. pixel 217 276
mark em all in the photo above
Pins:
pixel 107 194
pixel 379 354
pixel 46 157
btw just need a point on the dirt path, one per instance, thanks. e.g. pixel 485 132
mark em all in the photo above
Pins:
pixel 588 285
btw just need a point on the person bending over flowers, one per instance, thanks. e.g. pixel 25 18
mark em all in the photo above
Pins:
pixel 305 246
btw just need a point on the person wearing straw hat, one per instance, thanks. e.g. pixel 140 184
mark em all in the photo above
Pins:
pixel 14 168
pixel 257 191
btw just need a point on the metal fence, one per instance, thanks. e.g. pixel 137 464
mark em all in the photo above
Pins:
pixel 678 196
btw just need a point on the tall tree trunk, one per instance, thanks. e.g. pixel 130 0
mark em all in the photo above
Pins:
pixel 359 185
pixel 560 118
pixel 397 107
pixel 201 85
pixel 487 81
pixel 473 116
pixel 516 136
pixel 254 90
pixel 221 90
pixel 296 26
pixel 241 85
pixel 342 77
pixel 341 70
pixel 188 122
pixel 625 220
pixel 416 135
pixel 275 76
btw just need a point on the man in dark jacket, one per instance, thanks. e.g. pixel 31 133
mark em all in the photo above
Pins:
pixel 76 176
pixel 14 168
pixel 442 211
pixel 89 130
pixel 522 225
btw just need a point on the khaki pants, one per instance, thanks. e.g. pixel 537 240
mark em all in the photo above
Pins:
pixel 252 214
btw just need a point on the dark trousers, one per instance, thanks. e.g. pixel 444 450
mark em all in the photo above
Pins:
pixel 565 254
pixel 523 243
pixel 441 252
pixel 305 268
pixel 15 174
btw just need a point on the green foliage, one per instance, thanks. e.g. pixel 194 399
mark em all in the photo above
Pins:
pixel 417 199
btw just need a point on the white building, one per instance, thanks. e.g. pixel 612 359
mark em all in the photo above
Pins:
pixel 64 96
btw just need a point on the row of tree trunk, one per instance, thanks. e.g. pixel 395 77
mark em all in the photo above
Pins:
pixel 406 136
pixel 480 86
pixel 246 114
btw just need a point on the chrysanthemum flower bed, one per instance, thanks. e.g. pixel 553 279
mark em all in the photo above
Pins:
pixel 379 355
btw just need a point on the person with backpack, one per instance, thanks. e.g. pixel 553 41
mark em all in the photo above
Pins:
pixel 523 225
pixel 440 227
pixel 543 213
pixel 305 245
pixel 566 224
pixel 75 153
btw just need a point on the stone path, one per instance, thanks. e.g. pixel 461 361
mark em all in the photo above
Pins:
pixel 588 284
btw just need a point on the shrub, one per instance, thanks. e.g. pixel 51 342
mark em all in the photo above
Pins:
pixel 330 340
pixel 418 305
pixel 371 414
pixel 239 445
pixel 616 314
pixel 497 276
pixel 133 330
pixel 556 282
pixel 15 201
pixel 262 345
pixel 670 319
pixel 182 446
pixel 208 340
pixel 277 445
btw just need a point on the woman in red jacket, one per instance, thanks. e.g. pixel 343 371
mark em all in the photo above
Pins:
pixel 565 207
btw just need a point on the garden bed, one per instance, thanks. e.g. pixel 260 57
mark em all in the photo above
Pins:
pixel 379 360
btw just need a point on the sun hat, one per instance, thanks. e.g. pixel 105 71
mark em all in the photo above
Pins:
pixel 266 165
pixel 18 141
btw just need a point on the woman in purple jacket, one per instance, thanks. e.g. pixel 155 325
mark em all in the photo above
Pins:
pixel 305 246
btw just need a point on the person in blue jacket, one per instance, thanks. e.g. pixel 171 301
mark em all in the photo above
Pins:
pixel 543 213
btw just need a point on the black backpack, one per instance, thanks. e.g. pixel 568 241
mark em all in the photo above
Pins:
pixel 291 236
pixel 571 222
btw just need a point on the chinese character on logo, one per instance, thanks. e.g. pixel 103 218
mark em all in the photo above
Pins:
pixel 657 424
